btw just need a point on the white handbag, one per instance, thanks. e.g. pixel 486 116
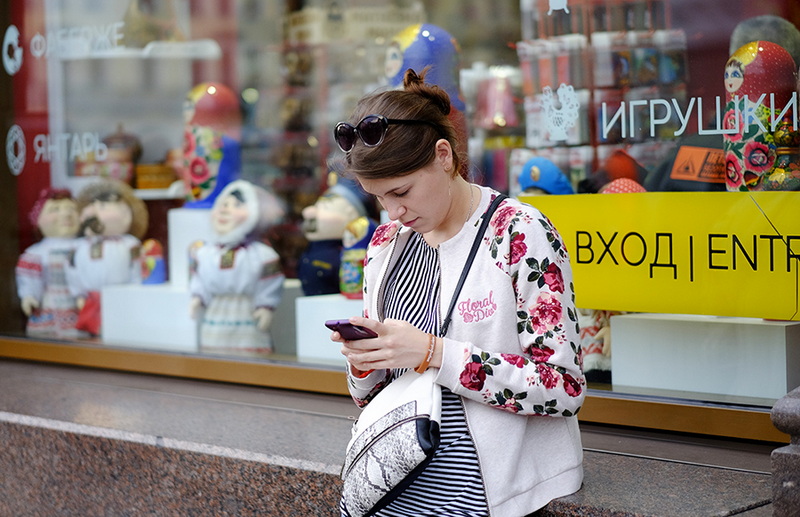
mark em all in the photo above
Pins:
pixel 393 440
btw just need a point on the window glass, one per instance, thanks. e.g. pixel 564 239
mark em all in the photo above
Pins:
pixel 169 182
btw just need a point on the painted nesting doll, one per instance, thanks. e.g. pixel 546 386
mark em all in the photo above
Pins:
pixel 760 78
pixel 424 45
pixel 211 146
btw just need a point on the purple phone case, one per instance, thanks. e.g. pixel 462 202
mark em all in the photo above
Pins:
pixel 349 331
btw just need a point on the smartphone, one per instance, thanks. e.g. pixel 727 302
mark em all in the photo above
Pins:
pixel 349 331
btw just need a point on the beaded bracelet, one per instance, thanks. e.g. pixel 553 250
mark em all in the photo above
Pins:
pixel 431 347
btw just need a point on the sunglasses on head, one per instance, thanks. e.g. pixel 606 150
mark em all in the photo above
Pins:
pixel 371 130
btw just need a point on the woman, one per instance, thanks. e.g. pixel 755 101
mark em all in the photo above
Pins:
pixel 509 366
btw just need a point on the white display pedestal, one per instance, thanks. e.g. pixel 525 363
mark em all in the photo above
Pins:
pixel 148 316
pixel 313 337
pixel 157 315
pixel 745 357
pixel 186 225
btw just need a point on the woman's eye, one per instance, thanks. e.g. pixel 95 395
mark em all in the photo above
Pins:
pixel 401 194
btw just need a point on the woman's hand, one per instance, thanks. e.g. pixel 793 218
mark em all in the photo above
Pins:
pixel 398 345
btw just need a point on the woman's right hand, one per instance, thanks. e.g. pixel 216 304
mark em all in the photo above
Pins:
pixel 398 345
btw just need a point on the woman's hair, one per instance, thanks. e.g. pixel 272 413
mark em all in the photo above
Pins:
pixel 406 148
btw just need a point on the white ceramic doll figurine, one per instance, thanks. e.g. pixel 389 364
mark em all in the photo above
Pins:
pixel 236 282
pixel 113 220
pixel 40 273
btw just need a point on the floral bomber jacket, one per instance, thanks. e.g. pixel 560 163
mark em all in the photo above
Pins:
pixel 521 279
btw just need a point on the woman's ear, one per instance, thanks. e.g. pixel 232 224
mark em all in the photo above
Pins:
pixel 444 153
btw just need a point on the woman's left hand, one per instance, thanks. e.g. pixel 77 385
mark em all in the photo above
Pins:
pixel 398 345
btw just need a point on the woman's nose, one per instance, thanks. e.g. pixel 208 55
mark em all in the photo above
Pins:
pixel 396 210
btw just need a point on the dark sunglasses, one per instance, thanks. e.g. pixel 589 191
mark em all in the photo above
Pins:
pixel 371 130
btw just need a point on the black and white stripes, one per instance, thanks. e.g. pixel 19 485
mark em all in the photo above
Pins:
pixel 451 484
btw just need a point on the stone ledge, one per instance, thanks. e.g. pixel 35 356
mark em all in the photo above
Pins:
pixel 90 471
pixel 104 473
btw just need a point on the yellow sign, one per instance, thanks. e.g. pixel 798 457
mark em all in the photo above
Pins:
pixel 716 253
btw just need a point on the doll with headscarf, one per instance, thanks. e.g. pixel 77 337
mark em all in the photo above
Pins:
pixel 113 222
pixel 236 281
pixel 41 269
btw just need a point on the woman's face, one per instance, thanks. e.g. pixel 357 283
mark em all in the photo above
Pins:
pixel 420 200
pixel 229 213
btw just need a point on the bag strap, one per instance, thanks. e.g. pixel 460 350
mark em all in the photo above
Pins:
pixel 484 223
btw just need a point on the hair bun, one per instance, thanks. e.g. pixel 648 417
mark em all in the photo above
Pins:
pixel 415 83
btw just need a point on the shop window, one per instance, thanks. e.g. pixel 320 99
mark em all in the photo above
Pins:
pixel 666 105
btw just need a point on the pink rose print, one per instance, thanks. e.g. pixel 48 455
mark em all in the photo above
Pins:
pixel 547 375
pixel 553 278
pixel 758 157
pixel 730 121
pixel 546 313
pixel 382 234
pixel 516 360
pixel 511 405
pixel 189 142
pixel 733 172
pixel 502 218
pixel 571 386
pixel 473 376
pixel 541 355
pixel 518 248
pixel 198 170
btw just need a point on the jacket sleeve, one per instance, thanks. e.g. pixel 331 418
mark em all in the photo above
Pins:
pixel 365 388
pixel 541 372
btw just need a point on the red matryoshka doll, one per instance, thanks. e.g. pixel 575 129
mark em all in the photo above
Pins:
pixel 760 78
pixel 211 148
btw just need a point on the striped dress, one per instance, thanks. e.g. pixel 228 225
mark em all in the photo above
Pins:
pixel 451 485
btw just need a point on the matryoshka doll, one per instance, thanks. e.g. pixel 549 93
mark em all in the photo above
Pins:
pixel 424 45
pixel 211 146
pixel 760 78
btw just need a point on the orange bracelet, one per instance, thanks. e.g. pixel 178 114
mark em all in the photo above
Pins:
pixel 431 347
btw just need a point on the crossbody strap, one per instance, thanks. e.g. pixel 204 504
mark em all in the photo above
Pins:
pixel 484 223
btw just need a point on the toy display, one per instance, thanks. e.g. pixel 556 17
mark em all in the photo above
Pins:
pixel 356 238
pixel 421 45
pixel 541 176
pixel 324 225
pixel 146 21
pixel 41 269
pixel 767 27
pixel 595 336
pixel 236 282
pixel 760 78
pixel 425 45
pixel 113 220
pixel 212 150
pixel 154 268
